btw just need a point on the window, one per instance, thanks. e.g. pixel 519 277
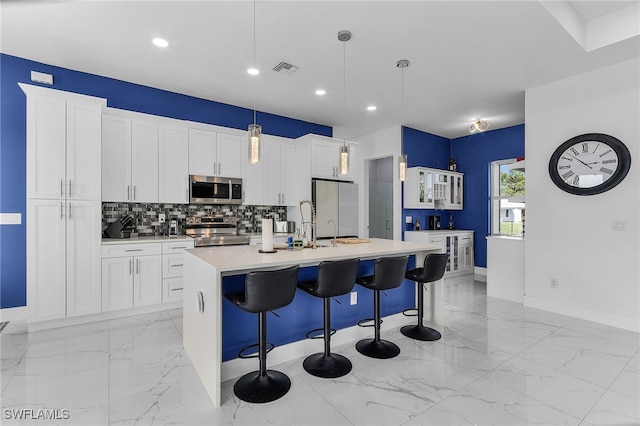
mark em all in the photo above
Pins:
pixel 507 197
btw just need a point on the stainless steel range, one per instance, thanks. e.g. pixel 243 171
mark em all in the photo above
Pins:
pixel 215 231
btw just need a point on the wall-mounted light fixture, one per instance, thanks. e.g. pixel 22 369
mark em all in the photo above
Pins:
pixel 344 36
pixel 255 130
pixel 402 160
pixel 478 126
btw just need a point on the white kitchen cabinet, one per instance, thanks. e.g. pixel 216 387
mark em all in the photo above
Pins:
pixel 272 180
pixel 426 188
pixel 63 203
pixel 172 269
pixel 457 243
pixel 215 154
pixel 173 156
pixel 326 159
pixel 131 275
pixel 129 159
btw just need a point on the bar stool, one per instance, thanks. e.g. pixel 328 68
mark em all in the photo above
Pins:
pixel 264 291
pixel 334 279
pixel 388 273
pixel 432 270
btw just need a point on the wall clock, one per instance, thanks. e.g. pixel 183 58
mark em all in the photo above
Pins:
pixel 589 164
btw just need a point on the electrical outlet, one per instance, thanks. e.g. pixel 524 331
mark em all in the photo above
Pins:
pixel 354 298
pixel 618 225
pixel 554 283
pixel 161 218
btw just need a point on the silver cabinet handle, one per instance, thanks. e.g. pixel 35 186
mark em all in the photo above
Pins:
pixel 176 289
pixel 128 192
pixel 219 168
pixel 179 247
pixel 69 187
pixel 130 266
pixel 177 265
pixel 61 188
pixel 128 250
pixel 69 207
pixel 61 211
pixel 137 266
pixel 283 198
pixel 134 192
pixel 215 167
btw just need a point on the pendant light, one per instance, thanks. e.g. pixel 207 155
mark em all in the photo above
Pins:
pixel 255 130
pixel 344 36
pixel 402 160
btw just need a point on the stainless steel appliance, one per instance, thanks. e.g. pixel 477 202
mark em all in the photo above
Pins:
pixel 214 190
pixel 214 231
pixel 434 222
pixel 337 201
pixel 287 226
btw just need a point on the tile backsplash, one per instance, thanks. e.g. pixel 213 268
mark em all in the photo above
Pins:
pixel 146 215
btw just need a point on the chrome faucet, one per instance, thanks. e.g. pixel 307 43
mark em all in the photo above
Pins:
pixel 314 241
pixel 334 241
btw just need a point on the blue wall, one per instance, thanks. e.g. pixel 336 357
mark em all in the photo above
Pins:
pixel 473 154
pixel 119 94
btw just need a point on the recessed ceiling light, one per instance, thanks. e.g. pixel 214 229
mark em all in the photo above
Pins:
pixel 253 71
pixel 160 42
pixel 371 108
pixel 321 92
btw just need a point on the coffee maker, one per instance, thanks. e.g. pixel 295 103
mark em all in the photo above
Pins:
pixel 434 222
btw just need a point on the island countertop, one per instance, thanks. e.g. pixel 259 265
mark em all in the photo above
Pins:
pixel 242 258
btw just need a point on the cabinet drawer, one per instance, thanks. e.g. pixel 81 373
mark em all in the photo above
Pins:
pixel 176 246
pixel 437 239
pixel 172 265
pixel 135 249
pixel 171 289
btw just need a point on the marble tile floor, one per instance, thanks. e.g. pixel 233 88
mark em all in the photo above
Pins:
pixel 498 363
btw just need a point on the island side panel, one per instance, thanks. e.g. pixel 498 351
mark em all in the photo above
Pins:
pixel 202 331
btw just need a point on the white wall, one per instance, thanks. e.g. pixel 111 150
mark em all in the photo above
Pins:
pixel 378 145
pixel 569 237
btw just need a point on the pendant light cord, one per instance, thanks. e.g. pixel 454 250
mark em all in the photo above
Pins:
pixel 254 60
pixel 344 86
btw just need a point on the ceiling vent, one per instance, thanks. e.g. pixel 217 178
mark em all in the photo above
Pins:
pixel 286 68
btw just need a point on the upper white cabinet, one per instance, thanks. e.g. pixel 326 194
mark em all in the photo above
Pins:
pixel 272 180
pixel 173 155
pixel 129 159
pixel 63 146
pixel 63 203
pixel 426 188
pixel 215 154
pixel 326 159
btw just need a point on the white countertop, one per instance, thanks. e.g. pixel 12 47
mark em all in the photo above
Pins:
pixel 247 258
pixel 504 237
pixel 443 231
pixel 145 239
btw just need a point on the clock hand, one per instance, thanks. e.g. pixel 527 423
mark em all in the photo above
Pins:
pixel 582 162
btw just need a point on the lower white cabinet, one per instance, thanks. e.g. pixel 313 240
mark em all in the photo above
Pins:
pixel 457 243
pixel 131 275
pixel 172 269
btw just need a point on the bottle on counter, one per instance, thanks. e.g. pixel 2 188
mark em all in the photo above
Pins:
pixel 451 225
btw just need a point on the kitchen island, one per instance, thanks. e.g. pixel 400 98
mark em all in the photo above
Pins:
pixel 205 267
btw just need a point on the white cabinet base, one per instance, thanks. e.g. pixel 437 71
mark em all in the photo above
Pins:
pixel 505 268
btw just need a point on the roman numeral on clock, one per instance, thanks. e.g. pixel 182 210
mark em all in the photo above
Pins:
pixel 609 161
pixel 575 151
pixel 585 148
pixel 567 175
pixel 605 170
pixel 565 167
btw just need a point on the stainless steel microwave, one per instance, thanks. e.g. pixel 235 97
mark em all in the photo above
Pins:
pixel 214 190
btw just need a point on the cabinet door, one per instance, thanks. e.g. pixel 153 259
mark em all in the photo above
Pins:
pixel 116 158
pixel 84 225
pixel 117 283
pixel 229 155
pixel 46 259
pixel 202 152
pixel 144 161
pixel 147 283
pixel 84 123
pixel 288 174
pixel 466 253
pixel 173 165
pixel 46 140
pixel 324 160
pixel 272 171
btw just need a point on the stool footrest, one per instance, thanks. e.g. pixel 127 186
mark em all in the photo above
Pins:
pixel 411 312
pixel 362 322
pixel 310 335
pixel 242 355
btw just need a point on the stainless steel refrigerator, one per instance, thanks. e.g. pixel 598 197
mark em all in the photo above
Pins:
pixel 337 201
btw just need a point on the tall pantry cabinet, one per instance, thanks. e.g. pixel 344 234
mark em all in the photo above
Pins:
pixel 63 203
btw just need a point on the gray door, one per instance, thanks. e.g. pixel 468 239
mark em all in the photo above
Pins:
pixel 381 198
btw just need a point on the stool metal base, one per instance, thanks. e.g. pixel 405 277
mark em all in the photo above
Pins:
pixel 327 366
pixel 420 332
pixel 381 349
pixel 252 387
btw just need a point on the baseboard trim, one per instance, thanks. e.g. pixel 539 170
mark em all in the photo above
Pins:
pixel 13 314
pixel 237 367
pixel 480 273
pixel 586 314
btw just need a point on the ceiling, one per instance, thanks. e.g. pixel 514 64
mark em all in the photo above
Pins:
pixel 468 59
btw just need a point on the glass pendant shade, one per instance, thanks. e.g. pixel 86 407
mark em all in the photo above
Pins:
pixel 255 133
pixel 402 167
pixel 344 160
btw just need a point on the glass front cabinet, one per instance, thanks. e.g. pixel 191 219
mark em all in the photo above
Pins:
pixel 426 188
pixel 458 244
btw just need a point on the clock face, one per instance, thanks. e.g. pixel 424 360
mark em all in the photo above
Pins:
pixel 589 164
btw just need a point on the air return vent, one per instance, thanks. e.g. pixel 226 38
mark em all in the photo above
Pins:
pixel 286 68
